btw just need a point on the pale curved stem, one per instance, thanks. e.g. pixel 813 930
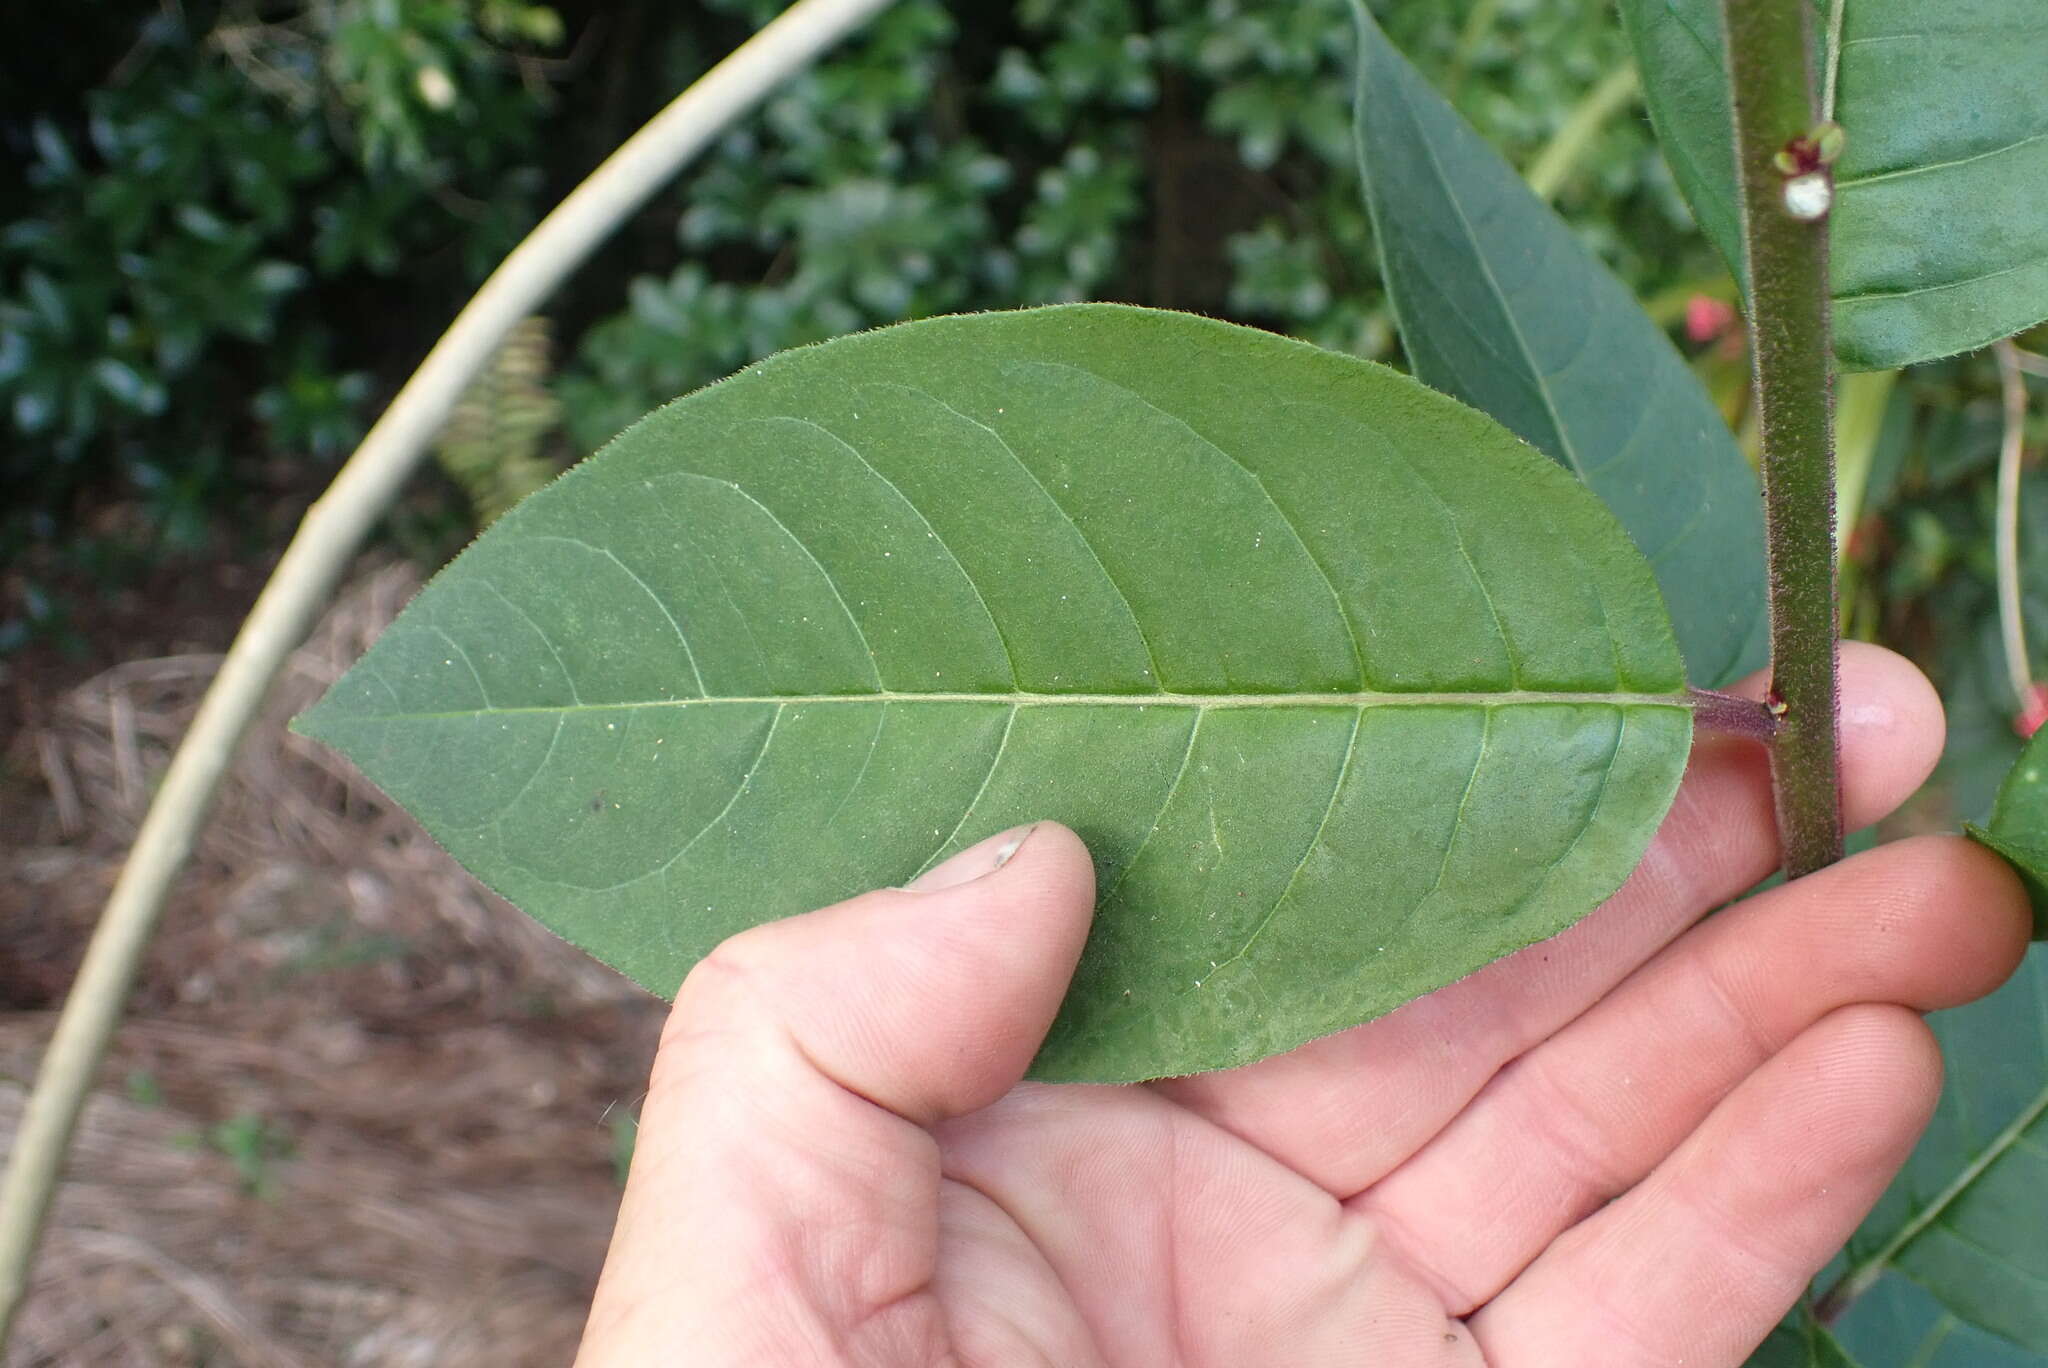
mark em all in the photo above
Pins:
pixel 2012 627
pixel 329 535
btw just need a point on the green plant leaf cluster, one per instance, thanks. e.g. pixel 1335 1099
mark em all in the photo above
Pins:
pixel 153 241
pixel 1182 155
pixel 411 73
pixel 197 245
pixel 1940 226
pixel 1348 691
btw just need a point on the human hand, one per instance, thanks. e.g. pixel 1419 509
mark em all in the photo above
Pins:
pixel 1632 1144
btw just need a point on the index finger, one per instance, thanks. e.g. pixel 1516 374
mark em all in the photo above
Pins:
pixel 1345 1110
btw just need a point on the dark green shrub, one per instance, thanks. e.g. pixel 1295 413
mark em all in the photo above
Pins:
pixel 210 234
pixel 1193 155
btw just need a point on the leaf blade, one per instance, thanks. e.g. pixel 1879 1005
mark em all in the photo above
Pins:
pixel 1207 595
pixel 1500 306
pixel 2018 829
pixel 1896 1324
pixel 1963 1219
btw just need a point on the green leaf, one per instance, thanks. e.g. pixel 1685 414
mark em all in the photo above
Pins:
pixel 1964 1218
pixel 1500 306
pixel 1348 692
pixel 2019 825
pixel 1800 1342
pixel 1940 226
pixel 1896 1324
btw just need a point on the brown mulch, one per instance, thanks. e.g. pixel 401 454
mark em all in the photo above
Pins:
pixel 362 1111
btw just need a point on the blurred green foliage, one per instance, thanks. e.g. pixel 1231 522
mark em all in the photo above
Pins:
pixel 1923 565
pixel 198 235
pixel 492 443
pixel 243 229
pixel 1185 153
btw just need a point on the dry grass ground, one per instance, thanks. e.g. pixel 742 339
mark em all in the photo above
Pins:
pixel 362 1113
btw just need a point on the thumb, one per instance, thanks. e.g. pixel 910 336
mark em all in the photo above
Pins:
pixel 783 1192
pixel 929 1000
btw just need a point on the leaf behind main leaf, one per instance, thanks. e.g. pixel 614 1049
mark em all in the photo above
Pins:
pixel 1348 691
pixel 1940 228
pixel 1896 1324
pixel 1964 1218
pixel 2018 829
pixel 1502 307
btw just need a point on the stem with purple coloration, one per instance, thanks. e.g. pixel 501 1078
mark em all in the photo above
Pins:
pixel 1726 714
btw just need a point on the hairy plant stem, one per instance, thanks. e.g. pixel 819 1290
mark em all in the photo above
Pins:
pixel 1787 266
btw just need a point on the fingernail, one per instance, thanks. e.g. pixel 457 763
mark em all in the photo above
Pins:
pixel 979 859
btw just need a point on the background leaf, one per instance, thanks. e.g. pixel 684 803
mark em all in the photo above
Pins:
pixel 1964 1218
pixel 1800 1342
pixel 2019 825
pixel 1501 306
pixel 1896 1324
pixel 1940 230
pixel 1348 692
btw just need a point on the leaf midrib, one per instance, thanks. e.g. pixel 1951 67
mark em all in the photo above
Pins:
pixel 1500 698
pixel 1859 1278
pixel 1541 379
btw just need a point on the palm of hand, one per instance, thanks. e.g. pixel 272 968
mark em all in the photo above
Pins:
pixel 1630 1145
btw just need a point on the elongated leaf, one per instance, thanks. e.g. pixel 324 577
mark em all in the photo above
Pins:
pixel 1347 690
pixel 1500 306
pixel 1896 1324
pixel 1968 1219
pixel 2019 826
pixel 1940 227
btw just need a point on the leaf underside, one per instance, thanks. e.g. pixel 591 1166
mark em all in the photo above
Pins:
pixel 1500 305
pixel 1896 1324
pixel 1348 691
pixel 1940 227
pixel 1964 1219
